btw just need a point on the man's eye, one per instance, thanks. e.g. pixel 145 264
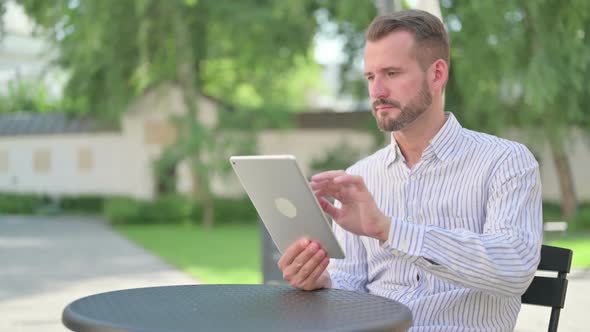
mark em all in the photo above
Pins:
pixel 391 74
pixel 369 78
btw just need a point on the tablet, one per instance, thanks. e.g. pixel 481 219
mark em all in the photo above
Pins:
pixel 284 201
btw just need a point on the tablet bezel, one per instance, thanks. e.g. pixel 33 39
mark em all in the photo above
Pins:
pixel 289 181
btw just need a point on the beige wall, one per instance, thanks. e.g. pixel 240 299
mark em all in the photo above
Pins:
pixel 305 144
pixel 312 144
pixel 99 163
pixel 49 164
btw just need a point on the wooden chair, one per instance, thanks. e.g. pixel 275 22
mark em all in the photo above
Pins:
pixel 550 291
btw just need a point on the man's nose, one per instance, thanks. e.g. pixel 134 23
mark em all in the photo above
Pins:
pixel 378 90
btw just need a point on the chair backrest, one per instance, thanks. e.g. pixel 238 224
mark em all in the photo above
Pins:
pixel 550 291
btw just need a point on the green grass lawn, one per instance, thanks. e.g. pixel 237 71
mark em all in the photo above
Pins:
pixel 226 254
pixel 579 243
pixel 231 253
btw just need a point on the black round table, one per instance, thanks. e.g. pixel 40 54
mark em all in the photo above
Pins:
pixel 234 308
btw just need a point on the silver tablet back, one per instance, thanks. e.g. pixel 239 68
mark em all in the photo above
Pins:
pixel 284 201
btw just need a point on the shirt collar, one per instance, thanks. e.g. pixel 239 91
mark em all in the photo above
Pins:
pixel 445 141
pixel 443 144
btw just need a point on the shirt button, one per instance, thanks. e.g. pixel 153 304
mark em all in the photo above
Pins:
pixel 404 245
pixel 409 218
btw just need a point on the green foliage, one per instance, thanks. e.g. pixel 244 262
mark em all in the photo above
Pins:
pixel 174 208
pixel 522 63
pixel 114 50
pixel 348 20
pixel 123 210
pixel 551 211
pixel 581 221
pixel 168 208
pixel 165 209
pixel 28 96
pixel 234 210
pixel 43 204
pixel 340 157
pixel 21 203
pixel 82 204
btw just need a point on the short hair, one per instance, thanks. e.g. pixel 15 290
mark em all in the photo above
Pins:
pixel 430 36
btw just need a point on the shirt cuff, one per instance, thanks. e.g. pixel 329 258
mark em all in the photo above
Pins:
pixel 334 283
pixel 405 237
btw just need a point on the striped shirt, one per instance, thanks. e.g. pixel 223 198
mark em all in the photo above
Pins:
pixel 465 236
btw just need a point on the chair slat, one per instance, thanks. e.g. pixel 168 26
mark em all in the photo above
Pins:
pixel 546 291
pixel 555 259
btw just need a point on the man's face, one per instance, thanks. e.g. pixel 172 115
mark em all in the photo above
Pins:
pixel 398 87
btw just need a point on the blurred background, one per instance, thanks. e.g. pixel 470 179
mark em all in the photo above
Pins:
pixel 118 117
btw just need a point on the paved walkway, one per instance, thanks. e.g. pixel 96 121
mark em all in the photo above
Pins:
pixel 45 263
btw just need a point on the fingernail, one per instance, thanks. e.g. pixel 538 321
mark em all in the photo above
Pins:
pixel 313 247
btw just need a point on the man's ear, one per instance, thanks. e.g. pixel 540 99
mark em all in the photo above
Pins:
pixel 438 75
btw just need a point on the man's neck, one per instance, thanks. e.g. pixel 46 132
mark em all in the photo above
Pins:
pixel 415 138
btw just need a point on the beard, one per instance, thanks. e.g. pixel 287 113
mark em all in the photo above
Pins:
pixel 410 112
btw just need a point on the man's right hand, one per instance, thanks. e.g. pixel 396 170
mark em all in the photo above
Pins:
pixel 304 265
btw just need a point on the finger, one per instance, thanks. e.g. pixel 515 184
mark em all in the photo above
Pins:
pixel 327 185
pixel 292 252
pixel 347 179
pixel 327 193
pixel 311 282
pixel 329 208
pixel 309 267
pixel 327 175
pixel 291 270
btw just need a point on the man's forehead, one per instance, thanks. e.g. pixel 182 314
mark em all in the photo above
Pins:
pixel 393 50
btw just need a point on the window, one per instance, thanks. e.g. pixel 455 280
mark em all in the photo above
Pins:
pixel 4 163
pixel 42 161
pixel 85 159
pixel 160 132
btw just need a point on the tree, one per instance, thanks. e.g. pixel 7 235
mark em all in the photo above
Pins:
pixel 515 63
pixel 523 64
pixel 247 54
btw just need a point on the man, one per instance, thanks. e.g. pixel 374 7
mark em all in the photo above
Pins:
pixel 445 220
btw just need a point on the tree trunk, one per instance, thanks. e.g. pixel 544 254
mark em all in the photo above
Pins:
pixel 188 73
pixel 566 182
pixel 208 211
pixel 202 193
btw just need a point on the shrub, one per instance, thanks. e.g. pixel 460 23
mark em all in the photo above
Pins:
pixel 85 204
pixel 170 208
pixel 123 210
pixel 21 203
pixel 581 221
pixel 234 210
pixel 228 210
pixel 551 211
